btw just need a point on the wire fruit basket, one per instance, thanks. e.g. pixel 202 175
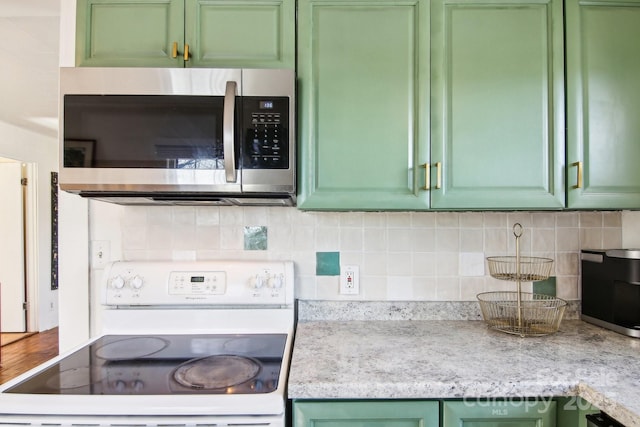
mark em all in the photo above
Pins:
pixel 529 315
pixel 521 313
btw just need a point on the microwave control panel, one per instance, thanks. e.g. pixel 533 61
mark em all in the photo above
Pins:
pixel 266 130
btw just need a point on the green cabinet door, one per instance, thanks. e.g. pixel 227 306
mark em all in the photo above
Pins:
pixel 497 130
pixel 603 104
pixel 363 104
pixel 393 413
pixel 123 33
pixel 472 413
pixel 240 33
pixel 572 411
pixel 214 33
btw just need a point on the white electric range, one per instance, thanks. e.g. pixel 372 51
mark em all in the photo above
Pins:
pixel 182 344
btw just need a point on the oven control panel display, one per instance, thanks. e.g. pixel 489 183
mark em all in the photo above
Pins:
pixel 228 283
pixel 197 283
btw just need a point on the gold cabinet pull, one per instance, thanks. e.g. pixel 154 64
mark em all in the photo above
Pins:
pixel 579 177
pixel 427 177
pixel 438 175
pixel 174 50
pixel 186 52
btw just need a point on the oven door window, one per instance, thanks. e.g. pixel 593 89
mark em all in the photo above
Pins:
pixel 143 131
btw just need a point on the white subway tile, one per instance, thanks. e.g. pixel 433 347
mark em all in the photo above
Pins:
pixel 399 288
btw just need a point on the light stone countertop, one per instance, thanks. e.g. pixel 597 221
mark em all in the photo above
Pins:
pixel 427 359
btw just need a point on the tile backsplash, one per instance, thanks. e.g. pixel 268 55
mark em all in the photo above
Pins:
pixel 402 256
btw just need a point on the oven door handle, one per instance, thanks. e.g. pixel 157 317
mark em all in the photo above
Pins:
pixel 228 131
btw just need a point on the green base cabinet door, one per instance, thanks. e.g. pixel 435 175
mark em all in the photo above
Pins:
pixel 571 411
pixel 497 82
pixel 363 104
pixel 491 413
pixel 603 104
pixel 393 413
pixel 120 33
pixel 191 33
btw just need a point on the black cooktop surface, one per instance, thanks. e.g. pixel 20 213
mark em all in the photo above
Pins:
pixel 165 364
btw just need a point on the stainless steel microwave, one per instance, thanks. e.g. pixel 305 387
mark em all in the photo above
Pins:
pixel 178 136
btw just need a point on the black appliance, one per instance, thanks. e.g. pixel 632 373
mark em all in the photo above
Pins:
pixel 601 420
pixel 611 289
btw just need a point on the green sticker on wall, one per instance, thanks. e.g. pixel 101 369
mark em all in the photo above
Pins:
pixel 255 238
pixel 545 287
pixel 327 263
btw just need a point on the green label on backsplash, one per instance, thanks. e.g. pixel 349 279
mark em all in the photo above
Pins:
pixel 545 287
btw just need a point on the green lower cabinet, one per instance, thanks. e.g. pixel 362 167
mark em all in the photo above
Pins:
pixel 573 410
pixel 376 413
pixel 499 413
pixel 532 412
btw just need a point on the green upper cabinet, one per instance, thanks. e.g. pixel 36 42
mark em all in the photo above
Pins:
pixel 431 104
pixel 363 103
pixel 376 413
pixel 129 33
pixel 214 33
pixel 603 108
pixel 497 129
pixel 508 413
pixel 241 33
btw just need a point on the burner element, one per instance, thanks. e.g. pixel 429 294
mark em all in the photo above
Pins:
pixel 71 379
pixel 216 372
pixel 131 348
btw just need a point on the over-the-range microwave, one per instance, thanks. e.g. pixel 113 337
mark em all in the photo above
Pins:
pixel 178 136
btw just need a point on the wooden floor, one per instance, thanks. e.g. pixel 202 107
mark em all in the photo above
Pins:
pixel 20 356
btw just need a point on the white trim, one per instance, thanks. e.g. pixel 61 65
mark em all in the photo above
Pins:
pixel 30 171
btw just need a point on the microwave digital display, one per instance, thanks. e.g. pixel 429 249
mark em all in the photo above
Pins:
pixel 266 105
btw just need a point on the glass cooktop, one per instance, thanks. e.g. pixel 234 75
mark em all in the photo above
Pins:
pixel 165 364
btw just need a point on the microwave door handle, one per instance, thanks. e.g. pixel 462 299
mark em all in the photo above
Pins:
pixel 228 132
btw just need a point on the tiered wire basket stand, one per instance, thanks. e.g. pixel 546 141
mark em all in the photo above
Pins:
pixel 521 313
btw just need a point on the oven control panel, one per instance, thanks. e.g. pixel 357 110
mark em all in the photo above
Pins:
pixel 197 283
pixel 243 283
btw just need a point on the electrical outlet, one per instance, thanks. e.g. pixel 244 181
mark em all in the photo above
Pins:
pixel 100 253
pixel 349 280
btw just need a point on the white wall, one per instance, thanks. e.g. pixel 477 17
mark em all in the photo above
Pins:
pixel 67 33
pixel 73 232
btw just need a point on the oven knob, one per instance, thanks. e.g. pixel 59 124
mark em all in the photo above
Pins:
pixel 258 282
pixel 137 282
pixel 276 282
pixel 138 385
pixel 117 282
pixel 120 386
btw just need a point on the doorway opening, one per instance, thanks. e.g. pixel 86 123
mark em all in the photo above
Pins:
pixel 17 251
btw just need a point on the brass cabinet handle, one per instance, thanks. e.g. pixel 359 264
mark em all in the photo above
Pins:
pixel 186 52
pixel 174 50
pixel 579 177
pixel 427 177
pixel 438 175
